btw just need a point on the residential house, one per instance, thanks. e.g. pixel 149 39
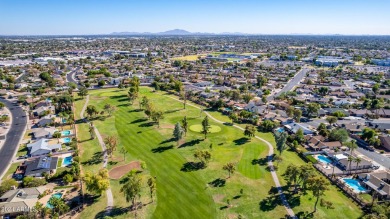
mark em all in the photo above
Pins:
pixel 19 201
pixel 39 166
pixel 39 133
pixel 344 163
pixel 294 127
pixel 378 182
pixel 42 147
pixel 318 143
pixel 46 120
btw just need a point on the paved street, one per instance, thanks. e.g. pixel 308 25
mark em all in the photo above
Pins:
pixel 291 84
pixel 379 158
pixel 15 134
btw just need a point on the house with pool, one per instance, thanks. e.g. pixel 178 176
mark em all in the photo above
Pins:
pixel 378 183
pixel 38 167
pixel 342 160
pixel 19 201
pixel 42 147
pixel 318 143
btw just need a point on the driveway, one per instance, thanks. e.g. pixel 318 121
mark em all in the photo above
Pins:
pixel 14 135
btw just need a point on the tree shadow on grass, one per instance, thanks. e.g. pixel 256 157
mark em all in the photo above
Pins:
pixel 273 199
pixel 172 111
pixel 161 149
pixel 146 124
pixel 123 99
pixel 139 120
pixel 191 143
pixel 192 166
pixel 112 162
pixel 168 141
pixel 261 161
pixel 305 215
pixel 241 141
pixel 228 123
pixel 124 104
pixel 119 96
pixel 218 182
pixel 97 158
pixel 135 110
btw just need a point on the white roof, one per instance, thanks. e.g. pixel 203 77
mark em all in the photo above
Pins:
pixel 340 156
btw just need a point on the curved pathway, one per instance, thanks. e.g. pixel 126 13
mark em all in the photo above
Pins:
pixel 270 164
pixel 110 199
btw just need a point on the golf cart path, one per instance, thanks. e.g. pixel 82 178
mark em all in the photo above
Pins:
pixel 269 157
pixel 110 199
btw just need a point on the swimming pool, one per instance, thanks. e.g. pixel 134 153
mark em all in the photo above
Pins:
pixel 67 161
pixel 324 159
pixel 63 120
pixel 66 133
pixel 56 195
pixel 355 185
pixel 280 129
pixel 66 140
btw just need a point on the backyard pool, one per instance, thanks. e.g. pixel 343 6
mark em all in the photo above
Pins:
pixel 66 140
pixel 66 133
pixel 56 195
pixel 280 129
pixel 67 161
pixel 354 184
pixel 324 159
pixel 63 120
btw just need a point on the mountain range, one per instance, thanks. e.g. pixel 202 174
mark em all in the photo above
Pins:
pixel 175 32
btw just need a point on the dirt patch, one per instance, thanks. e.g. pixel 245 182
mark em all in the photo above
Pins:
pixel 218 198
pixel 167 126
pixel 119 172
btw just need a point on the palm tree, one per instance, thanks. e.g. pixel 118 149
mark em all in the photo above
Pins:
pixel 358 160
pixel 352 146
pixel 350 159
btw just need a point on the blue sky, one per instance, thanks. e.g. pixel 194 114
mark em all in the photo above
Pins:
pixel 44 17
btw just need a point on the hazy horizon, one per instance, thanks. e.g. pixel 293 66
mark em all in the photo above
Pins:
pixel 280 17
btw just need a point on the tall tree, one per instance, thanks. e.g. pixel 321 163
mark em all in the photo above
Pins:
pixel 292 175
pixel 317 185
pixel 83 91
pixel 230 168
pixel 280 138
pixel 297 115
pixel 152 187
pixel 132 94
pixel 184 123
pixel 109 108
pixel 205 127
pixel 157 116
pixel 132 190
pixel 178 132
pixel 203 156
pixel 91 110
pixel 97 183
pixel 250 131
pixel 111 144
pixel 124 152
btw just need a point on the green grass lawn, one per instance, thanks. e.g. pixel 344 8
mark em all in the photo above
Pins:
pixel 11 170
pixel 198 128
pixel 22 150
pixel 344 207
pixel 182 194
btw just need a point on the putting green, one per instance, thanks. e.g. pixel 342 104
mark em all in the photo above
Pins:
pixel 198 128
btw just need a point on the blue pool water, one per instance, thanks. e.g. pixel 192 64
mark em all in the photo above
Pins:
pixel 66 140
pixel 354 184
pixel 324 159
pixel 65 133
pixel 67 161
pixel 280 129
pixel 57 195
pixel 63 120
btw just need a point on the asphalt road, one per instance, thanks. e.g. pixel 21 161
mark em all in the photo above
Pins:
pixel 14 135
pixel 292 83
pixel 379 158
pixel 70 76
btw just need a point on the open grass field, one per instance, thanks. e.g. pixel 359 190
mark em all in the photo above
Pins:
pixel 189 57
pixel 184 191
pixel 198 128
